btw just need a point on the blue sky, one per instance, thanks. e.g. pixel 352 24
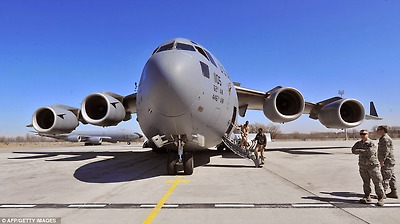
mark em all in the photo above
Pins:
pixel 58 52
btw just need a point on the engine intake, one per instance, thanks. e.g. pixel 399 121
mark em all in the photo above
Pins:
pixel 284 105
pixel 344 113
pixel 54 119
pixel 102 109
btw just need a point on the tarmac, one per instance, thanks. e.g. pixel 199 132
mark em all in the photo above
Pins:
pixel 301 182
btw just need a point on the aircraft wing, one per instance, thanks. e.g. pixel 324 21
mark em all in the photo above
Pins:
pixel 129 103
pixel 55 136
pixel 250 99
pixel 284 104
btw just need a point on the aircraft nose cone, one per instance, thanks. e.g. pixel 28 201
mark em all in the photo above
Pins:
pixel 168 83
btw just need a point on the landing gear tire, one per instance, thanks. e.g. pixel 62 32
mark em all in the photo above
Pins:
pixel 188 163
pixel 171 164
pixel 221 147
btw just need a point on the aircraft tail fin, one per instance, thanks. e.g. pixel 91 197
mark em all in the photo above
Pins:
pixel 373 115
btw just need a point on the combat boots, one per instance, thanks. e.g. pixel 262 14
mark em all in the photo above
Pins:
pixel 392 194
pixel 380 202
pixel 365 199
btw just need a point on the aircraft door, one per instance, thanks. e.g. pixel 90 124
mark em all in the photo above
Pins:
pixel 214 117
pixel 233 120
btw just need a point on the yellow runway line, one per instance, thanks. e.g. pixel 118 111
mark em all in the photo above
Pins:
pixel 161 203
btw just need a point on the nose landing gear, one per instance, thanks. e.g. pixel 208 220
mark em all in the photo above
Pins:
pixel 181 162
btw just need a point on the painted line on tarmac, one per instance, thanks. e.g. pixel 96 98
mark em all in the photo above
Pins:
pixel 391 205
pixel 311 205
pixel 164 199
pixel 17 206
pixel 386 205
pixel 148 206
pixel 195 206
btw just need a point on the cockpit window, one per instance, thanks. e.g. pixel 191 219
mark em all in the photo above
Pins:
pixel 166 47
pixel 201 51
pixel 155 50
pixel 181 46
pixel 206 54
pixel 211 58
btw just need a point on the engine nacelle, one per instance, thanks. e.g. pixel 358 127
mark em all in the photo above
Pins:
pixel 54 120
pixel 95 140
pixel 74 138
pixel 284 105
pixel 102 109
pixel 344 113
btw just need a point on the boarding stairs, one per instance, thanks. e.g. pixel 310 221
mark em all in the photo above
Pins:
pixel 242 152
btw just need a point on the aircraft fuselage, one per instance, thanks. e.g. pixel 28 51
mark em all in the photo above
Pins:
pixel 185 92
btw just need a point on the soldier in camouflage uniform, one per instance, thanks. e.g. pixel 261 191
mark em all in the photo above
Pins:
pixel 244 131
pixel 386 158
pixel 369 167
pixel 261 144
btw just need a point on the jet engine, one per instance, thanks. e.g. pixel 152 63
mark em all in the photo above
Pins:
pixel 284 105
pixel 74 138
pixel 95 140
pixel 55 119
pixel 344 113
pixel 103 109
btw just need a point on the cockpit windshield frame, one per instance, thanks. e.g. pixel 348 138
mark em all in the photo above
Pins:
pixel 166 47
pixel 186 47
pixel 182 46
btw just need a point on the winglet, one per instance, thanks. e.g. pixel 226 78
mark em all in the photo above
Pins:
pixel 373 115
pixel 372 109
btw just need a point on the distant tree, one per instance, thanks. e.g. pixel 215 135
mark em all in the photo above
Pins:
pixel 274 130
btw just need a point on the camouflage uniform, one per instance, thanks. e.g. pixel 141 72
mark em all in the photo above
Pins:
pixel 386 155
pixel 369 167
pixel 261 144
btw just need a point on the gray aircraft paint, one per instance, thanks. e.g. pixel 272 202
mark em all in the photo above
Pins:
pixel 176 98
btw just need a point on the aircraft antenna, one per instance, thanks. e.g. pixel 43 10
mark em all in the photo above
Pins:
pixel 341 92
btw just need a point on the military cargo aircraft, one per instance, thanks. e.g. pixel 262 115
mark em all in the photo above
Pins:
pixel 186 101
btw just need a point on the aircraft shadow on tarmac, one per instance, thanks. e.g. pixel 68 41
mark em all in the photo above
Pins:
pixel 306 151
pixel 338 197
pixel 123 166
pixel 120 166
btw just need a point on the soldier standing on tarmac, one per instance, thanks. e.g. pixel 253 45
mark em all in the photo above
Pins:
pixel 369 168
pixel 261 144
pixel 387 161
